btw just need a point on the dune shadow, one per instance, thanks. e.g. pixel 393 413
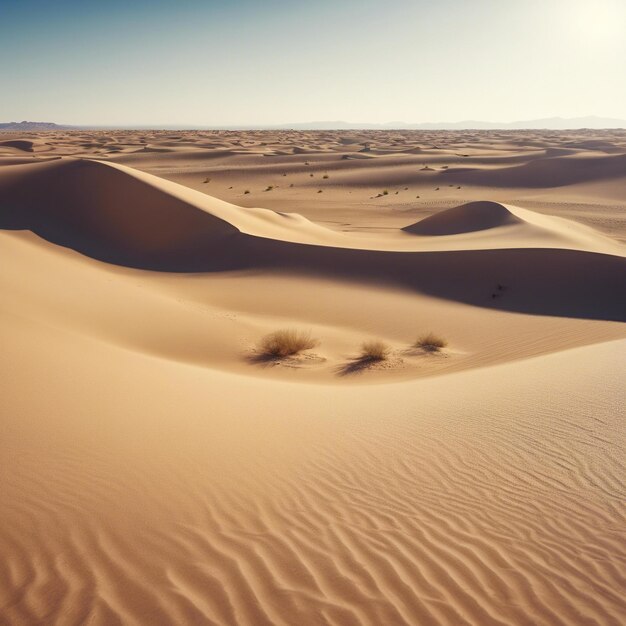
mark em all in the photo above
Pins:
pixel 356 365
pixel 264 359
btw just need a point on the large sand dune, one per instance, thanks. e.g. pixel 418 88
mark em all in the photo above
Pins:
pixel 155 471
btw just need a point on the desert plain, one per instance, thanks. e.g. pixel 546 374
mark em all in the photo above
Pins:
pixel 159 466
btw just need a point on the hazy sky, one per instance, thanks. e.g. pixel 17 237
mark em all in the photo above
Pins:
pixel 218 62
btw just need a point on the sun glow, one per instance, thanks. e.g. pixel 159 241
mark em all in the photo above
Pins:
pixel 597 20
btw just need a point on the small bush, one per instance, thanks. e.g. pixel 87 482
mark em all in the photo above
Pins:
pixel 385 192
pixel 247 191
pixel 286 342
pixel 374 351
pixel 269 188
pixel 325 176
pixel 431 342
pixel 319 191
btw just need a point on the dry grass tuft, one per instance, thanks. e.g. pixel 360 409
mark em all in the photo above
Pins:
pixel 374 351
pixel 286 342
pixel 431 342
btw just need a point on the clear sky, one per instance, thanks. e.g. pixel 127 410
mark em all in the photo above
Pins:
pixel 220 62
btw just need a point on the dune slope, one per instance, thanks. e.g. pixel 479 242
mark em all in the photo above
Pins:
pixel 186 496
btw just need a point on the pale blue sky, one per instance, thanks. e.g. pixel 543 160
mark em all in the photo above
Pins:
pixel 220 62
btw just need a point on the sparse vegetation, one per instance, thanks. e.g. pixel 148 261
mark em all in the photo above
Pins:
pixel 385 192
pixel 287 342
pixel 269 188
pixel 430 342
pixel 374 350
pixel 206 180
pixel 246 191
pixel 325 176
pixel 319 191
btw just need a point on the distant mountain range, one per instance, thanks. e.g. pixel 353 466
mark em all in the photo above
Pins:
pixel 549 123
pixel 31 126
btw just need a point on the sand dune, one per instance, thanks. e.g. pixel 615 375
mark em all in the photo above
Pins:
pixel 466 218
pixel 550 172
pixel 154 471
pixel 128 218
pixel 25 146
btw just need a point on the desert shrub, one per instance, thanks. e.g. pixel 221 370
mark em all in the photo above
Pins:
pixel 374 351
pixel 431 342
pixel 325 176
pixel 286 342
pixel 385 192
pixel 247 191
pixel 269 188
pixel 319 191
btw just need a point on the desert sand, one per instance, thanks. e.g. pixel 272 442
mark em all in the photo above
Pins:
pixel 157 468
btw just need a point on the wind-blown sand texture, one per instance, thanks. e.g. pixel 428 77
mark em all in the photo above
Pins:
pixel 158 469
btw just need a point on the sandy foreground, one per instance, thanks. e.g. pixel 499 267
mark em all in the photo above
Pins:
pixel 156 468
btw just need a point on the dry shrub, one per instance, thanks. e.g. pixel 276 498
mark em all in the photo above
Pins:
pixel 374 351
pixel 286 342
pixel 431 342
